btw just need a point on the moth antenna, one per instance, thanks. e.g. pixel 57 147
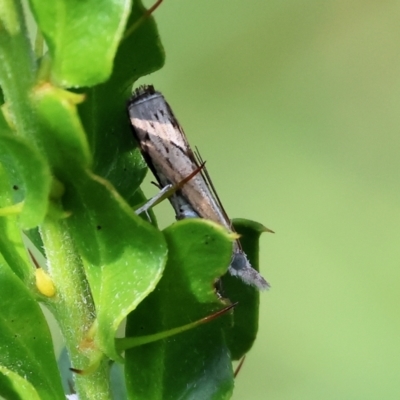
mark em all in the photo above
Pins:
pixel 210 184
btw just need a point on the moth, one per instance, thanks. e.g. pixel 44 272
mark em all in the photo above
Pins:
pixel 168 154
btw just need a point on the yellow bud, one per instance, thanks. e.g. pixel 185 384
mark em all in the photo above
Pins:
pixel 44 283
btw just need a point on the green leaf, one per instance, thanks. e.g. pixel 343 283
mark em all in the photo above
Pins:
pixel 9 19
pixel 25 342
pixel 14 387
pixel 104 115
pixel 62 135
pixel 196 363
pixel 124 256
pixel 241 336
pixel 82 37
pixel 17 73
pixel 34 236
pixel 116 154
pixel 12 247
pixel 19 160
pixel 140 53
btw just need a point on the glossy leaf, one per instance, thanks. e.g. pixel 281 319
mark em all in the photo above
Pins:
pixel 19 160
pixel 82 37
pixel 196 363
pixel 140 52
pixel 34 236
pixel 124 255
pixel 62 135
pixel 17 68
pixel 12 247
pixel 14 387
pixel 104 114
pixel 241 336
pixel 25 342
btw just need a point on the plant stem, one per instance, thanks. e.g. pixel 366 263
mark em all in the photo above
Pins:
pixel 74 310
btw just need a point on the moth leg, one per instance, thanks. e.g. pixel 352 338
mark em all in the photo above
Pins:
pixel 158 198
pixel 167 191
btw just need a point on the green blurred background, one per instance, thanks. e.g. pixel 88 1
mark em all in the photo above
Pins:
pixel 295 107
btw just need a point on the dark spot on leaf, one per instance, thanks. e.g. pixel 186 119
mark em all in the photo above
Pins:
pixel 98 227
pixel 15 187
